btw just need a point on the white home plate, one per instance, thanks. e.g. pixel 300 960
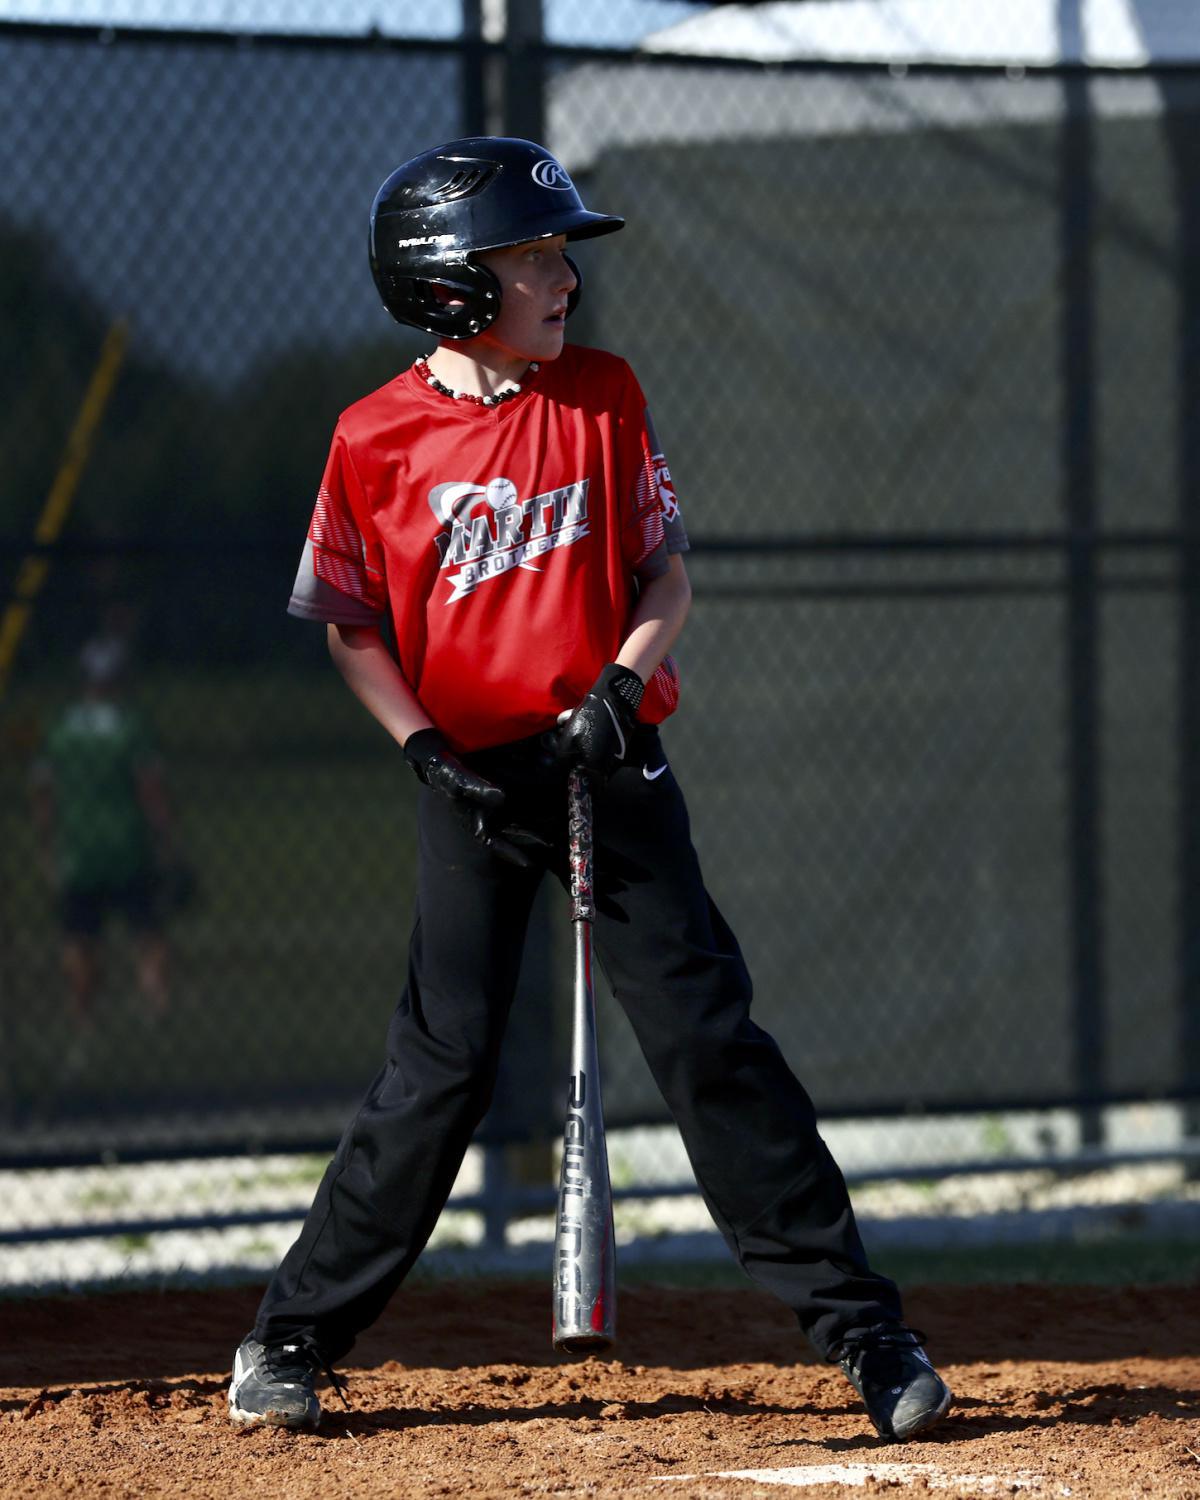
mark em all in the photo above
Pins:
pixel 858 1474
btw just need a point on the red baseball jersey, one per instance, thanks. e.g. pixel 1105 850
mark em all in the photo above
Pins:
pixel 505 543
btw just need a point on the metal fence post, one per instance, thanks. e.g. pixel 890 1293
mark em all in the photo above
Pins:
pixel 1181 140
pixel 1084 788
pixel 474 70
pixel 524 71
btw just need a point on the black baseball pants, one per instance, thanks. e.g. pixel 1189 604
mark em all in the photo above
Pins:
pixel 749 1128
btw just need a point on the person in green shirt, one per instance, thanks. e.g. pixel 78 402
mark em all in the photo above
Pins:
pixel 101 811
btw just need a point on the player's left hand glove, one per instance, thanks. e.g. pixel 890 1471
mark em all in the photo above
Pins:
pixel 476 800
pixel 596 735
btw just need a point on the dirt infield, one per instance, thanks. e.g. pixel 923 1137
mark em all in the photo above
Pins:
pixel 1080 1392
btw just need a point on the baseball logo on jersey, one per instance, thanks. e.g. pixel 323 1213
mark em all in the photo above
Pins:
pixel 489 530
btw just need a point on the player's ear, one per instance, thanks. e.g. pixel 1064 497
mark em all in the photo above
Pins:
pixel 574 293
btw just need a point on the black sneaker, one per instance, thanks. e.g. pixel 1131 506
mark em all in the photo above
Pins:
pixel 888 1368
pixel 273 1384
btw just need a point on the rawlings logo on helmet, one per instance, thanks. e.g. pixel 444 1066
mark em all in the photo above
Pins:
pixel 425 239
pixel 549 174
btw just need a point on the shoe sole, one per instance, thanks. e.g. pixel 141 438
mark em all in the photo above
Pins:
pixel 245 1419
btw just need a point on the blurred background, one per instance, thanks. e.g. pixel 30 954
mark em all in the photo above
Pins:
pixel 914 289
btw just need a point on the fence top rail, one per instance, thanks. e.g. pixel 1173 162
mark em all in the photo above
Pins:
pixel 576 52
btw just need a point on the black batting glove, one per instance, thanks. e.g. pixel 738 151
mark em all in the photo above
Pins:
pixel 597 734
pixel 475 799
pixel 428 752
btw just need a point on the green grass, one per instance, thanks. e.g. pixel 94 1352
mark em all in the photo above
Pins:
pixel 129 1244
pixel 307 1172
pixel 104 1197
pixel 1126 1260
pixel 1123 1260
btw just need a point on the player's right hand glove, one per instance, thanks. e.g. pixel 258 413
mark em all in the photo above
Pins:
pixel 476 800
pixel 596 735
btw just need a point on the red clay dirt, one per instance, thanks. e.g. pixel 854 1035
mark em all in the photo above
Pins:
pixel 1084 1392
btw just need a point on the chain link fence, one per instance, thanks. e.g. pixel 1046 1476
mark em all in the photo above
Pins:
pixel 922 344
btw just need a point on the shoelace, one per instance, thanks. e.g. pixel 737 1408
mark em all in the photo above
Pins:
pixel 886 1344
pixel 298 1360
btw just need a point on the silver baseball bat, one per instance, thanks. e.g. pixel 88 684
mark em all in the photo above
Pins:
pixel 585 1283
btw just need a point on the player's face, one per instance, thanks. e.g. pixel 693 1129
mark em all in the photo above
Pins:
pixel 535 282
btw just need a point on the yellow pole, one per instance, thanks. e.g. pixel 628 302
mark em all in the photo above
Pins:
pixel 34 568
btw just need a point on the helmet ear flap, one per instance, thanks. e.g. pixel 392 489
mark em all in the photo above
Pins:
pixel 451 302
pixel 485 296
pixel 573 297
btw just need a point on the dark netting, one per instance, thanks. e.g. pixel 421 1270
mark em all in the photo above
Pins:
pixel 921 350
pixel 213 195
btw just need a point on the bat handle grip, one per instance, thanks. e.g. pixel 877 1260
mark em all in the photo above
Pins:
pixel 579 846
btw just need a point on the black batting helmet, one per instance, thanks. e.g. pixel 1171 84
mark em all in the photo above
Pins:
pixel 436 211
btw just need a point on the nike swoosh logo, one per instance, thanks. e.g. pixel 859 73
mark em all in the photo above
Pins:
pixel 617 727
pixel 653 775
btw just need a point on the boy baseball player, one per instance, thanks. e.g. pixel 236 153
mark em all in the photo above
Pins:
pixel 505 508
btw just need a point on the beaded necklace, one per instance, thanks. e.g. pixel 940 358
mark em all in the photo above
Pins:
pixel 421 366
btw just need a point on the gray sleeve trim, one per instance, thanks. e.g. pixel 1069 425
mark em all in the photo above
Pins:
pixel 676 535
pixel 314 599
pixel 345 614
pixel 653 565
